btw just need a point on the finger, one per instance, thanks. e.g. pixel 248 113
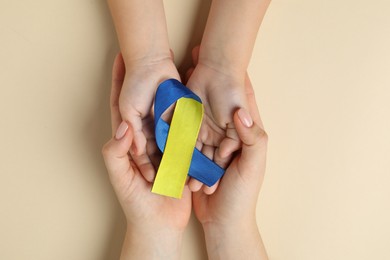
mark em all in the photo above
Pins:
pixel 139 139
pixel 172 54
pixel 115 153
pixel 153 152
pixel 223 162
pixel 253 137
pixel 210 190
pixel 230 143
pixel 199 145
pixel 194 185
pixel 118 74
pixel 227 147
pixel 208 151
pixel 145 166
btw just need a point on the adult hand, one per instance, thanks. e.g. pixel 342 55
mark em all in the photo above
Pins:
pixel 135 104
pixel 222 91
pixel 228 215
pixel 155 223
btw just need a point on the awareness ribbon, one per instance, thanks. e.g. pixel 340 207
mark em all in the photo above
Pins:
pixel 177 141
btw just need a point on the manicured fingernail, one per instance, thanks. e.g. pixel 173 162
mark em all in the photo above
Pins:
pixel 245 117
pixel 121 131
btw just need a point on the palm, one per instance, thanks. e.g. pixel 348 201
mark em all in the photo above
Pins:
pixel 135 104
pixel 147 207
pixel 226 202
pixel 132 188
pixel 221 95
pixel 171 211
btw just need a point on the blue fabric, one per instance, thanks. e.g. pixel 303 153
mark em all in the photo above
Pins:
pixel 202 168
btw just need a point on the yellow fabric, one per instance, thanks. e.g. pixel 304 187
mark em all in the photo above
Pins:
pixel 176 159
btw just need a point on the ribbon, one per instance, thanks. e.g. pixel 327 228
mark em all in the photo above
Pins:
pixel 177 141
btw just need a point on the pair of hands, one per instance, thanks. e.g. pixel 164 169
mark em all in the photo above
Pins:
pixel 154 218
pixel 221 92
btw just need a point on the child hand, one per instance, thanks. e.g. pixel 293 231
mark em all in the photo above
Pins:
pixel 155 223
pixel 228 216
pixel 135 104
pixel 222 92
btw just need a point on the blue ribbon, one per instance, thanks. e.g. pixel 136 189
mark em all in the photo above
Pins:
pixel 168 92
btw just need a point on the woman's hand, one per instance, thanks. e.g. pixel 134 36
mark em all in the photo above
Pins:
pixel 228 215
pixel 154 223
pixel 141 80
pixel 222 91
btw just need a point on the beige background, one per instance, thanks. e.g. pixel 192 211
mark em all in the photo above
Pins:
pixel 321 71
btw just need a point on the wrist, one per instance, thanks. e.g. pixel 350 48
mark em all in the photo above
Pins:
pixel 152 244
pixel 242 240
pixel 222 59
pixel 220 76
pixel 147 59
pixel 152 69
pixel 213 228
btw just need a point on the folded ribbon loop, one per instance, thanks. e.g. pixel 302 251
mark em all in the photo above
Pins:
pixel 201 167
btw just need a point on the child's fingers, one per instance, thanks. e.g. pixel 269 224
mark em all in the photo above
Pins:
pixel 194 185
pixel 115 152
pixel 229 144
pixel 223 162
pixel 208 150
pixel 210 190
pixel 145 166
pixel 118 74
pixel 139 139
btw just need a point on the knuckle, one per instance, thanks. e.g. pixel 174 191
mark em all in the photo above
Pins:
pixel 262 136
pixel 106 149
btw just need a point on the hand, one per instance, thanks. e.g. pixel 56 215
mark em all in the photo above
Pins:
pixel 135 104
pixel 222 92
pixel 155 223
pixel 228 216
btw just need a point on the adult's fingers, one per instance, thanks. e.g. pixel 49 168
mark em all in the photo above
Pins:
pixel 115 153
pixel 254 138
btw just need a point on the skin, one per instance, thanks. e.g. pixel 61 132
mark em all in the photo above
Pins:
pixel 228 215
pixel 143 39
pixel 218 78
pixel 220 74
pixel 155 224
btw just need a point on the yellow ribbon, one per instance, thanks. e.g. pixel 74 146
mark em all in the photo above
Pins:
pixel 176 160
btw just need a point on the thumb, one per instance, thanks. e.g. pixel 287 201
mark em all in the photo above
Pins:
pixel 254 139
pixel 134 119
pixel 115 152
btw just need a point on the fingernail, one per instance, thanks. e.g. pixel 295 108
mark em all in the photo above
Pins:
pixel 245 117
pixel 121 131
